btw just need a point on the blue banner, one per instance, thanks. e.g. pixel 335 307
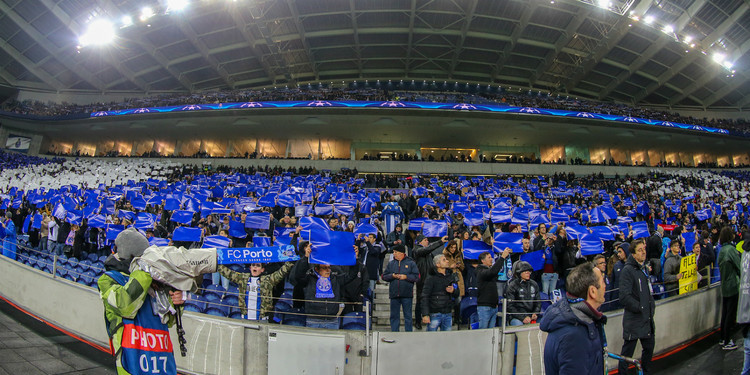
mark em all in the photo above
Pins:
pixel 473 248
pixel 472 219
pixel 332 247
pixel 313 223
pixel 591 244
pixel 261 241
pixel 237 229
pixel 640 230
pixel 258 220
pixel 156 241
pixel 182 217
pixel 145 220
pixel 365 228
pixel 689 241
pixel 186 234
pixel 113 230
pixel 249 255
pixel 535 258
pixel 216 242
pixel 512 240
pixel 435 228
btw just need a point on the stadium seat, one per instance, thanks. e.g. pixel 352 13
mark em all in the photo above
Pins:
pixel 191 307
pixel 91 258
pixel 61 270
pixel 232 291
pixel 231 300
pixel 294 318
pixel 85 265
pixel 354 321
pixel 215 311
pixel 468 307
pixel 213 293
pixel 196 301
pixel 235 314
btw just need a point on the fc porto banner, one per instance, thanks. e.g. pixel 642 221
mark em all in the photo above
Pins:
pixel 249 255
pixel 18 143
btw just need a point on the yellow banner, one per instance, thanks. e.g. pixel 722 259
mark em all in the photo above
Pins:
pixel 689 272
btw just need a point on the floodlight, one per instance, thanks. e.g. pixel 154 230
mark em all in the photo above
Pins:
pixel 669 29
pixel 728 64
pixel 604 3
pixel 176 5
pixel 146 13
pixel 648 20
pixel 126 21
pixel 99 32
pixel 718 57
pixel 688 39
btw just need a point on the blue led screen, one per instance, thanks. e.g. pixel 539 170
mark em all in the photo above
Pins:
pixel 413 105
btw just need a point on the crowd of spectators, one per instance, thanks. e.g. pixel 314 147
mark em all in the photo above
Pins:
pixel 502 97
pixel 697 202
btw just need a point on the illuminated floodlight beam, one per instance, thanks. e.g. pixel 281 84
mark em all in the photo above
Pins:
pixel 146 13
pixel 648 20
pixel 99 32
pixel 718 57
pixel 176 5
pixel 669 29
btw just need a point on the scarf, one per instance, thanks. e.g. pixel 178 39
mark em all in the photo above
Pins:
pixel 323 287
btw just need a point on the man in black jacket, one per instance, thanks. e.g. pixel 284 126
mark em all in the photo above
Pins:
pixel 487 298
pixel 636 299
pixel 440 292
pixel 322 289
pixel 401 273
pixel 422 254
pixel 654 249
pixel 524 294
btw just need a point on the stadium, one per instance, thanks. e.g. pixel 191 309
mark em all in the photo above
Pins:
pixel 266 124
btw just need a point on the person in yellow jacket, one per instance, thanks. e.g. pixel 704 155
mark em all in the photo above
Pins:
pixel 138 326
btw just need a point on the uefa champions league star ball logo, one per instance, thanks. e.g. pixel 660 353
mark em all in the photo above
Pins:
pixel 251 105
pixel 392 104
pixel 667 123
pixel 99 114
pixel 630 119
pixel 529 110
pixel 142 110
pixel 464 106
pixel 191 107
pixel 584 114
pixel 319 103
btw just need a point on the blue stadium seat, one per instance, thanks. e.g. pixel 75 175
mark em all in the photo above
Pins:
pixel 196 301
pixel 61 270
pixel 213 293
pixel 232 291
pixel 468 307
pixel 89 277
pixel 73 261
pixel 235 314
pixel 191 307
pixel 102 259
pixel 354 321
pixel 85 265
pixel 91 258
pixel 295 318
pixel 215 311
pixel 230 300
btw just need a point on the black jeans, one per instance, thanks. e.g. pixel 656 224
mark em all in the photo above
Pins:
pixel 728 316
pixel 628 348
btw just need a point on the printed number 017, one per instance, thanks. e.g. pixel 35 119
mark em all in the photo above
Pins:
pixel 143 362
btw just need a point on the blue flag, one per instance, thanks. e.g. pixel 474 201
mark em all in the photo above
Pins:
pixel 156 241
pixel 237 229
pixel 591 244
pixel 689 241
pixel 125 214
pixel 435 228
pixel 270 254
pixel 261 241
pixel 186 234
pixel 97 221
pixel 171 204
pixel 74 217
pixel 535 258
pixel 472 249
pixel 365 228
pixel 640 230
pixel 313 223
pixel 332 247
pixel 144 220
pixel 215 242
pixel 37 222
pixel 473 219
pixel 182 217
pixel 512 240
pixel 113 230
pixel 258 220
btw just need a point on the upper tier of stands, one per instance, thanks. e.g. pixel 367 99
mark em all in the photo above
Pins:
pixel 40 110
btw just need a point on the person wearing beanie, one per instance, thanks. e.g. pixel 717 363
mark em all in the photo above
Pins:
pixel 401 272
pixel 575 344
pixel 524 294
pixel 128 310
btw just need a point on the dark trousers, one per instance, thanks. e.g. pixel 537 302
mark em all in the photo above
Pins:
pixel 418 306
pixel 628 348
pixel 728 316
pixel 398 304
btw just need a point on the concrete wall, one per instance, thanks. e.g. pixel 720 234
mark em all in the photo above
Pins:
pixel 227 346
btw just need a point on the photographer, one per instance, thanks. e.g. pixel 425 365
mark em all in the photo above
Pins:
pixel 129 311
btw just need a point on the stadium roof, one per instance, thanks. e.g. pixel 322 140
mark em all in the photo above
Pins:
pixel 676 52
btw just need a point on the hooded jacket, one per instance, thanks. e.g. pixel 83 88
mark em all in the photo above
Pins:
pixel 671 270
pixel 636 299
pixel 524 294
pixel 575 344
